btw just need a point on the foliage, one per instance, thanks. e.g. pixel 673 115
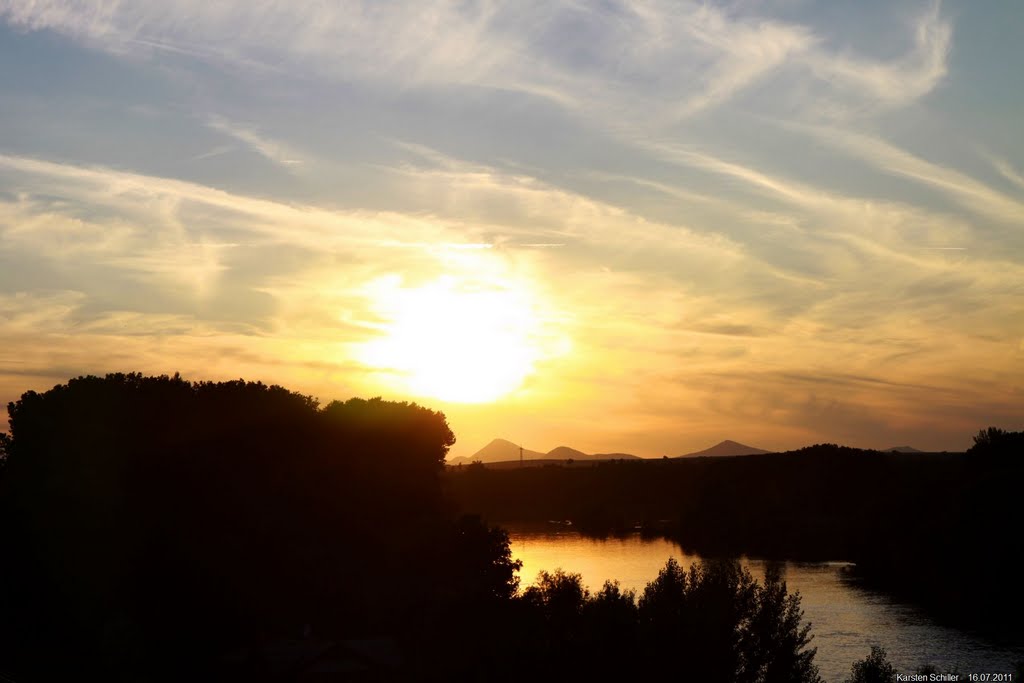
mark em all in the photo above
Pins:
pixel 874 668
pixel 482 561
pixel 609 618
pixel 774 645
pixel 664 599
pixel 559 595
pixel 711 622
pixel 996 442
pixel 155 519
pixel 820 503
pixel 151 523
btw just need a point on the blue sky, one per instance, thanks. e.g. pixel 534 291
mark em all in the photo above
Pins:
pixel 778 222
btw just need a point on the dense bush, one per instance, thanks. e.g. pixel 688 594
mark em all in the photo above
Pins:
pixel 712 622
pixel 875 668
pixel 151 519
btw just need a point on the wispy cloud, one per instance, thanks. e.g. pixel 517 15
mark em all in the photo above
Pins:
pixel 1008 172
pixel 717 203
pixel 657 60
pixel 744 52
pixel 699 311
pixel 215 152
pixel 894 82
pixel 974 194
pixel 274 150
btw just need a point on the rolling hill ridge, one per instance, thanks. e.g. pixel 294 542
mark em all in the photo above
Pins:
pixel 724 449
pixel 503 450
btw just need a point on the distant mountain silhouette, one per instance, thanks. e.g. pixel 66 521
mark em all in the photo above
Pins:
pixel 726 448
pixel 902 449
pixel 566 453
pixel 502 450
pixel 497 451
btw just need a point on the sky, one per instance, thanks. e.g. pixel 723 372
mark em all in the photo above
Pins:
pixel 637 226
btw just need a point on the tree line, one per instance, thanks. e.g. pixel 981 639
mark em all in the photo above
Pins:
pixel 159 529
pixel 937 529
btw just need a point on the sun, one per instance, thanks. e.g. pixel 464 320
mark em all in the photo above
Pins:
pixel 452 339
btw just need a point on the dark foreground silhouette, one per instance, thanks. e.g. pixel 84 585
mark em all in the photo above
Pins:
pixel 156 529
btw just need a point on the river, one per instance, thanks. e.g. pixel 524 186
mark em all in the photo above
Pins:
pixel 846 619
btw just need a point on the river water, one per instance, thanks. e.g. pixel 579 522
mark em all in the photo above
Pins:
pixel 846 619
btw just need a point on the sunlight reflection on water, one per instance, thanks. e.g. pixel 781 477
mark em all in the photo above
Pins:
pixel 846 619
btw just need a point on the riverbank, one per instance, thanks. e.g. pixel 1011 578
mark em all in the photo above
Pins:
pixel 936 530
pixel 846 617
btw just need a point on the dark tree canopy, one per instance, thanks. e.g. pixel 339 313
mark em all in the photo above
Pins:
pixel 998 442
pixel 875 668
pixel 152 515
pixel 712 622
pixel 157 525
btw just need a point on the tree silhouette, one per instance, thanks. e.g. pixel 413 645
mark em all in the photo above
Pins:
pixel 663 606
pixel 874 668
pixel 820 503
pixel 711 622
pixel 155 519
pixel 151 523
pixel 610 619
pixel 996 441
pixel 774 646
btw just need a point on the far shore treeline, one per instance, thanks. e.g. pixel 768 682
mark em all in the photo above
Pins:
pixel 159 529
pixel 939 529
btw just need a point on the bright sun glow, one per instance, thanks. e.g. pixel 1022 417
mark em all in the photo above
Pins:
pixel 454 340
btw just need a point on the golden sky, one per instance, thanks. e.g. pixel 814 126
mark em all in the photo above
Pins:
pixel 640 227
